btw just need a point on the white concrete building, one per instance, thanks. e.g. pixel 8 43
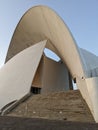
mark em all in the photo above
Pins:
pixel 27 66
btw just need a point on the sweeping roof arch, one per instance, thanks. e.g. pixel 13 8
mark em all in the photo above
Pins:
pixel 42 23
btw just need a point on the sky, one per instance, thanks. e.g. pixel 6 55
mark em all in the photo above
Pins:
pixel 81 17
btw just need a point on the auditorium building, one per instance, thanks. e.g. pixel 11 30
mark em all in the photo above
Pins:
pixel 28 70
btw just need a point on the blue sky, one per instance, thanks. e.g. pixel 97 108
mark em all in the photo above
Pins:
pixel 81 16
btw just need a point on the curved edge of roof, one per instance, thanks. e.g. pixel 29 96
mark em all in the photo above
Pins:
pixel 68 31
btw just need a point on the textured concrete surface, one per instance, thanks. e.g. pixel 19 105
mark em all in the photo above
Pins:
pixel 68 106
pixel 17 123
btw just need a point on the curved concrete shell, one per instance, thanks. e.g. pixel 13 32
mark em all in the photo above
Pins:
pixel 41 23
pixel 17 74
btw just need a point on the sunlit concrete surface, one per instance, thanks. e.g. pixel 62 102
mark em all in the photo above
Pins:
pixel 92 84
pixel 17 74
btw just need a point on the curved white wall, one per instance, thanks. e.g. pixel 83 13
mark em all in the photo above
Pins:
pixel 17 74
pixel 92 85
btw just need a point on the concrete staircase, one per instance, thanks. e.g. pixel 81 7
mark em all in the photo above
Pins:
pixel 18 123
pixel 66 106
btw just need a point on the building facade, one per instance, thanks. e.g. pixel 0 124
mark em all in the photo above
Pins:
pixel 28 68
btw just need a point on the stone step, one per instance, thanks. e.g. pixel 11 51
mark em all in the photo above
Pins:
pixel 20 123
pixel 69 106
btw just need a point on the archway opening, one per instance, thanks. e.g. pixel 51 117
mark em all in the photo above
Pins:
pixel 52 75
pixel 50 54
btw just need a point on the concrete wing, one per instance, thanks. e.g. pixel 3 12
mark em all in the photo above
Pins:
pixel 17 74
